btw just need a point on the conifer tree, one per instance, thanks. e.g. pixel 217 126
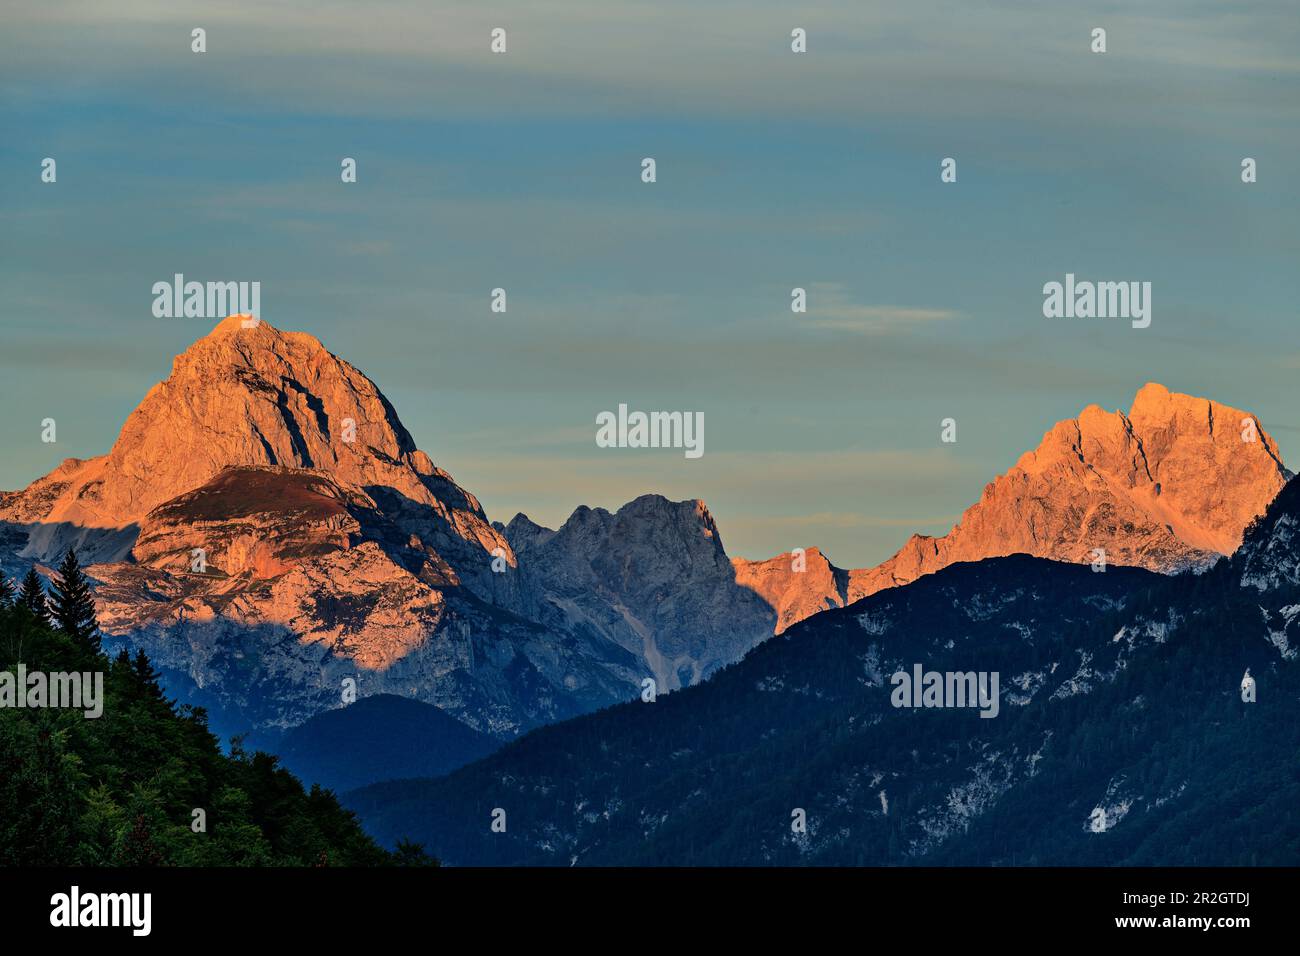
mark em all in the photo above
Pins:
pixel 73 605
pixel 32 597
pixel 7 593
pixel 146 676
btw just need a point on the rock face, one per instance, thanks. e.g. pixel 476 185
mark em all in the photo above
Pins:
pixel 795 586
pixel 1168 487
pixel 332 549
pixel 256 397
pixel 652 579
pixel 260 521
pixel 265 528
pixel 1117 700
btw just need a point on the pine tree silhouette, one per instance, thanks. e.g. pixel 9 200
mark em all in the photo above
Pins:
pixel 32 597
pixel 73 605
pixel 7 593
pixel 146 677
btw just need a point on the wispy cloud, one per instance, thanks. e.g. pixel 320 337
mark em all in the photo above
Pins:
pixel 405 57
pixel 832 308
pixel 775 170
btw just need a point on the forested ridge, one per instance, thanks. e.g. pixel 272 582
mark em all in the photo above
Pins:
pixel 123 788
pixel 1122 739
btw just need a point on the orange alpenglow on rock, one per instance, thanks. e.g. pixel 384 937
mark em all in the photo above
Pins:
pixel 240 396
pixel 1169 486
pixel 265 526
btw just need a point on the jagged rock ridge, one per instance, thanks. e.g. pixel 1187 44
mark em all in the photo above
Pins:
pixel 252 397
pixel 1168 487
pixel 652 578
pixel 331 549
pixel 1120 736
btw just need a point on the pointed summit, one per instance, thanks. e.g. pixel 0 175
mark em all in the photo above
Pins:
pixel 264 528
pixel 246 397
pixel 237 323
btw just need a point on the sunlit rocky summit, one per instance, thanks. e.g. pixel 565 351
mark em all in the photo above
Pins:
pixel 329 548
pixel 243 397
pixel 1169 487
pixel 267 530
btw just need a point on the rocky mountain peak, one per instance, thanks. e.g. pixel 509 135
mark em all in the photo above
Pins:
pixel 259 396
pixel 653 578
pixel 795 586
pixel 1169 486
pixel 689 520
pixel 249 397
pixel 523 533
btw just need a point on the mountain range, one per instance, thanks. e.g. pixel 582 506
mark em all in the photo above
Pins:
pixel 1168 487
pixel 266 529
pixel 1121 736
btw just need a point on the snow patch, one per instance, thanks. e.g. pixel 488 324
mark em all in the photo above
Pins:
pixel 1028 684
pixel 873 622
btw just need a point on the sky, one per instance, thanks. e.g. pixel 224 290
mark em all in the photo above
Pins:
pixel 775 170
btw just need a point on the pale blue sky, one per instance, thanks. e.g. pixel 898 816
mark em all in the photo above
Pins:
pixel 775 170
